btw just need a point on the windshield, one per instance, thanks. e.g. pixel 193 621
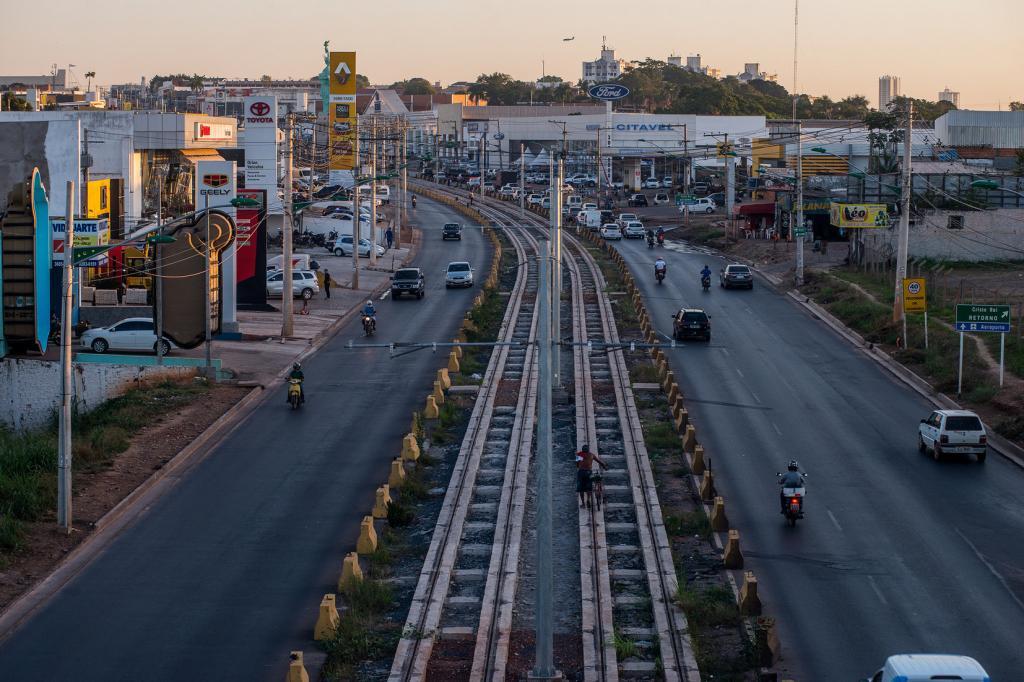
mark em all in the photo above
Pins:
pixel 407 274
pixel 739 269
pixel 963 424
pixel 694 317
pixel 458 267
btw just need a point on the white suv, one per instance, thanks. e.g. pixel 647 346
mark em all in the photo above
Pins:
pixel 304 284
pixel 952 432
pixel 635 230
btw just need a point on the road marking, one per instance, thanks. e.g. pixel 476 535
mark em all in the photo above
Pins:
pixel 878 592
pixel 835 521
pixel 385 294
pixel 757 399
pixel 725 351
pixel 775 426
pixel 990 567
pixel 740 373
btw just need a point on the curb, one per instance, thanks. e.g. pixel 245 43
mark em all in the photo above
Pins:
pixel 109 526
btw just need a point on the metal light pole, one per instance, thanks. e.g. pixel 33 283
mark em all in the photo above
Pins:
pixel 209 306
pixel 904 237
pixel 357 218
pixel 373 198
pixel 286 241
pixel 522 181
pixel 159 286
pixel 64 423
pixel 799 228
pixel 556 294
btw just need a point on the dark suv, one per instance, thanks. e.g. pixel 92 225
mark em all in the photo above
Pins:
pixel 636 200
pixel 407 281
pixel 451 231
pixel 691 323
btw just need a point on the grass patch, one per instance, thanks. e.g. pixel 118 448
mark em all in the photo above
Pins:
pixel 363 633
pixel 644 373
pixel 708 608
pixel 661 439
pixel 400 514
pixel 689 523
pixel 625 647
pixel 416 485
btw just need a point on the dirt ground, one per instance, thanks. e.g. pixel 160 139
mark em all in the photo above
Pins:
pixel 97 492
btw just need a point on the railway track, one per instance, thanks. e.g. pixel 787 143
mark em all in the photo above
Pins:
pixel 627 577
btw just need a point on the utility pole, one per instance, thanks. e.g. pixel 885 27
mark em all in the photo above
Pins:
pixel 522 181
pixel 730 182
pixel 686 164
pixel 286 234
pixel 904 237
pixel 556 293
pixel 798 230
pixel 357 218
pixel 209 280
pixel 480 163
pixel 159 286
pixel 544 661
pixel 86 164
pixel 405 182
pixel 598 164
pixel 373 197
pixel 64 425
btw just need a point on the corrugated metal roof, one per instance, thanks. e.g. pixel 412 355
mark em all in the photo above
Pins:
pixel 997 129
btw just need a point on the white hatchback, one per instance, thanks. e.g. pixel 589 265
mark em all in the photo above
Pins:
pixel 635 230
pixel 304 284
pixel 952 432
pixel 611 231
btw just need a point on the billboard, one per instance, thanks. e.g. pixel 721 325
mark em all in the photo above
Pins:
pixel 251 248
pixel 260 115
pixel 859 215
pixel 342 116
pixel 25 272
pixel 91 232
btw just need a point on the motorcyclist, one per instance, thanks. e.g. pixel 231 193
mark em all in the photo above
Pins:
pixel 661 235
pixel 650 236
pixel 414 201
pixel 660 267
pixel 296 373
pixel 791 479
pixel 705 274
pixel 371 312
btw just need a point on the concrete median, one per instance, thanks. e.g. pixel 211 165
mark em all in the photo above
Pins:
pixel 719 521
pixel 410 448
pixel 351 571
pixel 367 542
pixel 681 418
pixel 380 503
pixel 699 465
pixel 397 475
pixel 453 364
pixel 750 603
pixel 690 438
pixel 442 375
pixel 431 411
pixel 296 668
pixel 327 620
pixel 438 393
pixel 707 486
pixel 732 557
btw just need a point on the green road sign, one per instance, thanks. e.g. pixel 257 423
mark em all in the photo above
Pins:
pixel 800 232
pixel 972 317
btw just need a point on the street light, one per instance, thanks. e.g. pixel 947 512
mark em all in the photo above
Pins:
pixel 994 186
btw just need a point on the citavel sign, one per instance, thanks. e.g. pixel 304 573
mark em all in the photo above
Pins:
pixel 641 127
pixel 609 92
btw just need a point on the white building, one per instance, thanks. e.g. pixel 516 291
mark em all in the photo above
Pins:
pixel 948 95
pixel 888 89
pixel 604 68
pixel 675 60
pixel 752 71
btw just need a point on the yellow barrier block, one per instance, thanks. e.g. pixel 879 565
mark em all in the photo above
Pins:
pixel 453 364
pixel 670 378
pixel 351 571
pixel 673 393
pixel 410 448
pixel 677 404
pixel 719 521
pixel 380 503
pixel 707 486
pixel 662 368
pixel 327 621
pixel 699 465
pixel 457 349
pixel 690 438
pixel 682 420
pixel 296 668
pixel 431 411
pixel 367 542
pixel 443 378
pixel 438 393
pixel 397 475
pixel 732 557
pixel 750 603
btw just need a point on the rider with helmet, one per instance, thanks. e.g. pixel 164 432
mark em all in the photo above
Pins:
pixel 370 312
pixel 791 479
pixel 297 374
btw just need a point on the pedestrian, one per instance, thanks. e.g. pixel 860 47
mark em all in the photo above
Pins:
pixel 584 483
pixel 327 283
pixel 389 236
pixel 121 291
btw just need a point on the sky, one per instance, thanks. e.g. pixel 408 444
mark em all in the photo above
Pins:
pixel 844 45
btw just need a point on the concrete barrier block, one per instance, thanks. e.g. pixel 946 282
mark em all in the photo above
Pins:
pixel 670 378
pixel 673 393
pixel 766 642
pixel 410 448
pixel 105 297
pixel 682 420
pixel 135 296
pixel 699 464
pixel 380 503
pixel 397 475
pixel 442 376
pixel 453 364
pixel 750 603
pixel 296 668
pixel 351 571
pixel 431 411
pixel 732 557
pixel 707 486
pixel 367 542
pixel 719 522
pixel 457 349
pixel 690 438
pixel 327 621
pixel 438 393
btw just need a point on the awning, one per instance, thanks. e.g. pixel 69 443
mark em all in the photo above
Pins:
pixel 195 155
pixel 763 208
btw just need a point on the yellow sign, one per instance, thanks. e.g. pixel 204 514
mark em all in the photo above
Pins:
pixel 725 149
pixel 97 199
pixel 859 215
pixel 914 295
pixel 341 112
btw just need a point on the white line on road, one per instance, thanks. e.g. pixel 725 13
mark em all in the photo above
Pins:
pixel 740 373
pixel 775 426
pixel 878 592
pixel 990 567
pixel 725 352
pixel 385 294
pixel 757 399
pixel 835 521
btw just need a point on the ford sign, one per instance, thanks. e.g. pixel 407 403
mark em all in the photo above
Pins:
pixel 609 92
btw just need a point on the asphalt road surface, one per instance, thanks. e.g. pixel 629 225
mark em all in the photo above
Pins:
pixel 223 576
pixel 897 553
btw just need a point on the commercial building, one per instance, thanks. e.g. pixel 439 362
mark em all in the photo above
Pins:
pixel 888 89
pixel 950 96
pixel 604 68
pixel 984 138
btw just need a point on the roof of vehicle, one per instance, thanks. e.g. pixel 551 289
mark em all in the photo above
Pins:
pixel 692 310
pixel 612 225
pixel 737 265
pixel 931 664
pixel 407 270
pixel 957 413
pixel 458 262
pixel 452 225
pixel 634 223
pixel 131 319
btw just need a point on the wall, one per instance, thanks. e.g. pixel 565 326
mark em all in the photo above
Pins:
pixel 30 389
pixel 986 236
pixel 52 146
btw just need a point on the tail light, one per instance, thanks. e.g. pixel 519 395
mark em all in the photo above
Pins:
pixel 795 501
pixel 943 438
pixel 982 440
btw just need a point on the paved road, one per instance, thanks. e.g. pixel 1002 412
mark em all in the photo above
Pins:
pixel 222 577
pixel 898 553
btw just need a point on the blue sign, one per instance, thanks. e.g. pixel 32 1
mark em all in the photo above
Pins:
pixel 608 92
pixel 1001 328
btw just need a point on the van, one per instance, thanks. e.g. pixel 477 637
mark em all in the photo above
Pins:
pixel 300 261
pixel 574 201
pixel 928 667
pixel 591 218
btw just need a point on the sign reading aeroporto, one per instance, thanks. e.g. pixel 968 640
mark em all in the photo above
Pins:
pixel 608 92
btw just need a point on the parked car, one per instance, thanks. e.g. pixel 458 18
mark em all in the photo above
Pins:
pixel 611 231
pixel 626 217
pixel 691 323
pixel 701 188
pixel 927 667
pixel 451 231
pixel 636 200
pixel 545 202
pixel 458 274
pixel 661 198
pixel 703 205
pixel 735 275
pixel 134 334
pixel 343 247
pixel 634 230
pixel 618 184
pixel 952 432
pixel 652 183
pixel 408 281
pixel 588 206
pixel 304 283
pixel 666 182
pixel 534 199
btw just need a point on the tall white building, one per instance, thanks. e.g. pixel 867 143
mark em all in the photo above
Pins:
pixel 948 95
pixel 888 89
pixel 605 68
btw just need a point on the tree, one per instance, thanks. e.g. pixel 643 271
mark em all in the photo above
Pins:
pixel 924 110
pixel 14 103
pixel 362 81
pixel 266 79
pixel 1018 168
pixel 1016 106
pixel 89 75
pixel 414 86
pixel 500 88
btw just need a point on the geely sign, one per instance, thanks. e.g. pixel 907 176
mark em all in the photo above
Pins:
pixel 609 92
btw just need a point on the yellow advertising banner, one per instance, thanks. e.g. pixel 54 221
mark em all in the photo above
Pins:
pixel 914 300
pixel 341 112
pixel 859 215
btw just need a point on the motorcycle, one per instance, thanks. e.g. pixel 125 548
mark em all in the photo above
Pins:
pixel 661 240
pixel 650 242
pixel 414 201
pixel 659 274
pixel 705 282
pixel 793 503
pixel 295 393
pixel 369 325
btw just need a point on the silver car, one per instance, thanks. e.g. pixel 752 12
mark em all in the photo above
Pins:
pixel 304 284
pixel 458 274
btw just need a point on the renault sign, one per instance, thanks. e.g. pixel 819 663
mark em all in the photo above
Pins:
pixel 608 92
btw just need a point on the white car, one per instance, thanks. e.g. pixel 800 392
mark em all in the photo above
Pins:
pixel 652 183
pixel 343 247
pixel 666 182
pixel 533 199
pixel 304 284
pixel 626 217
pixel 458 274
pixel 134 333
pixel 635 230
pixel 702 205
pixel 925 667
pixel 611 231
pixel 952 432
pixel 588 206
